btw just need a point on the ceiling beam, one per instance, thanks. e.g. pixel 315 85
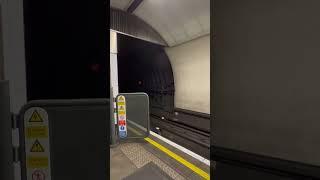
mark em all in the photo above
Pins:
pixel 134 5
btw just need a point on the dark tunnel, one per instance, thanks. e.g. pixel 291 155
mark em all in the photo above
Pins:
pixel 145 67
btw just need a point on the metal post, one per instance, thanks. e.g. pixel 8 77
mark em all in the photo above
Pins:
pixel 6 154
pixel 1 48
pixel 113 84
pixel 113 136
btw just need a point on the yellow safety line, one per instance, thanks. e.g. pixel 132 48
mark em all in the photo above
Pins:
pixel 174 156
pixel 179 159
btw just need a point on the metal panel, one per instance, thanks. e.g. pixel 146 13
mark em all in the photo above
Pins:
pixel 266 95
pixel 131 25
pixel 1 47
pixel 79 131
pixel 137 114
pixel 6 154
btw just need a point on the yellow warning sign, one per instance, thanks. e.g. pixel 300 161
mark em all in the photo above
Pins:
pixel 121 112
pixel 121 98
pixel 121 108
pixel 35 117
pixel 121 103
pixel 37 162
pixel 37 147
pixel 37 132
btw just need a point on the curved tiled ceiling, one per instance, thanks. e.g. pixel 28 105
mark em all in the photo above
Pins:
pixel 121 4
pixel 177 21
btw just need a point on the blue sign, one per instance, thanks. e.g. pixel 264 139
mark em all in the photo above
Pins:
pixel 122 128
pixel 122 134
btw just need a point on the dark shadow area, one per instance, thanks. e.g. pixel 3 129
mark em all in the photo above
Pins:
pixel 145 67
pixel 266 100
pixel 66 46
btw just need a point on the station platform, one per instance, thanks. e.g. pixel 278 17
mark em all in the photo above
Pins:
pixel 152 158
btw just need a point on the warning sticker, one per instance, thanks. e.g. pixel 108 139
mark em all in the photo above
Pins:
pixel 121 105
pixel 38 175
pixel 37 162
pixel 37 147
pixel 121 108
pixel 122 133
pixel 121 112
pixel 37 144
pixel 37 132
pixel 35 117
pixel 122 122
pixel 121 99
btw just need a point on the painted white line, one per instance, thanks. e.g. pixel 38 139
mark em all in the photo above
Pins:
pixel 181 148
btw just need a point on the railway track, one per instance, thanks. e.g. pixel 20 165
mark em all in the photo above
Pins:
pixel 185 129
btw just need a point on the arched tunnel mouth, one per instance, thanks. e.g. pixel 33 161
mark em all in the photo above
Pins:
pixel 145 67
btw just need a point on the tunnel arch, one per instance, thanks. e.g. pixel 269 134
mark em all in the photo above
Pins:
pixel 131 25
pixel 143 71
pixel 149 66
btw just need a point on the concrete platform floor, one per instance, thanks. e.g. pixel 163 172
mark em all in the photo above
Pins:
pixel 120 164
pixel 126 158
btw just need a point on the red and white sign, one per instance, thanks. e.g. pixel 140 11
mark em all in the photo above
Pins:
pixel 38 175
pixel 122 122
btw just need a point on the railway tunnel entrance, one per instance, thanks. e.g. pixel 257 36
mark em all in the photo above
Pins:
pixel 169 68
pixel 145 67
pixel 63 65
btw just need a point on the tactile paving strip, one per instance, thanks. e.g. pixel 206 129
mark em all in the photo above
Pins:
pixel 140 157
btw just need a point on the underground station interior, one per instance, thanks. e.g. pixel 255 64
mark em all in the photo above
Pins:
pixel 150 89
pixel 75 111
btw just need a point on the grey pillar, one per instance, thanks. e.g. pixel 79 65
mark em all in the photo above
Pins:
pixel 6 154
pixel 1 48
pixel 114 89
pixel 113 137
